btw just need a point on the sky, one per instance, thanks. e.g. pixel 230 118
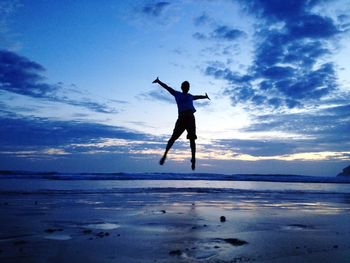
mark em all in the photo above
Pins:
pixel 76 92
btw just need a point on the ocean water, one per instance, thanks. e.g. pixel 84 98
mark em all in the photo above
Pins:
pixel 150 194
pixel 32 182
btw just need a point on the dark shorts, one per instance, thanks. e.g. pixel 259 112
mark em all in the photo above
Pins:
pixel 186 121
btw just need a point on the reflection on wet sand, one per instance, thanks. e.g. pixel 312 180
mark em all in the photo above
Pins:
pixel 174 225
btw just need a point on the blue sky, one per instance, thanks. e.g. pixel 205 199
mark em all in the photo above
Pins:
pixel 76 92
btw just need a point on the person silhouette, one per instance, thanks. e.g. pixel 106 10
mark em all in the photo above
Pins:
pixel 186 120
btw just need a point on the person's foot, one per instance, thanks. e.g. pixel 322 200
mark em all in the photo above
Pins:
pixel 161 162
pixel 193 165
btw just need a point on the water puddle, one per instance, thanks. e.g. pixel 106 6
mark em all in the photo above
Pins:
pixel 61 237
pixel 103 226
pixel 298 227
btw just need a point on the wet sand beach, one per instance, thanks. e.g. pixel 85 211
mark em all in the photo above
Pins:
pixel 172 225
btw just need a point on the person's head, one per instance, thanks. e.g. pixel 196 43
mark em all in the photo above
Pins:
pixel 185 87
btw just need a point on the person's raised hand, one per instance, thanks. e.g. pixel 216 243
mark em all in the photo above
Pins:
pixel 156 80
pixel 206 95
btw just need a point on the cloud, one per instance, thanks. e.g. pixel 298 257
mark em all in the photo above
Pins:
pixel 22 133
pixel 88 104
pixel 276 10
pixel 155 9
pixel 22 76
pixel 313 26
pixel 159 95
pixel 318 134
pixel 323 129
pixel 227 33
pixel 7 9
pixel 28 143
pixel 220 33
pixel 291 64
pixel 45 140
pixel 290 87
pixel 199 36
pixel 202 20
pixel 49 144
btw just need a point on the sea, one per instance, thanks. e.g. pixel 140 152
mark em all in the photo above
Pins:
pixel 34 182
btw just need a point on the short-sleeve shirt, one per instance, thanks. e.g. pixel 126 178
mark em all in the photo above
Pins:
pixel 184 102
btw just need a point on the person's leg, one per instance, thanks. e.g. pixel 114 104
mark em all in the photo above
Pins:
pixel 178 130
pixel 191 135
pixel 193 152
pixel 168 146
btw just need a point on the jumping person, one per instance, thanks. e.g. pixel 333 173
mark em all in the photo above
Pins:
pixel 186 120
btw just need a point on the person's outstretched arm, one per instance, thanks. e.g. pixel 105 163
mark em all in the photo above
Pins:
pixel 198 97
pixel 165 86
